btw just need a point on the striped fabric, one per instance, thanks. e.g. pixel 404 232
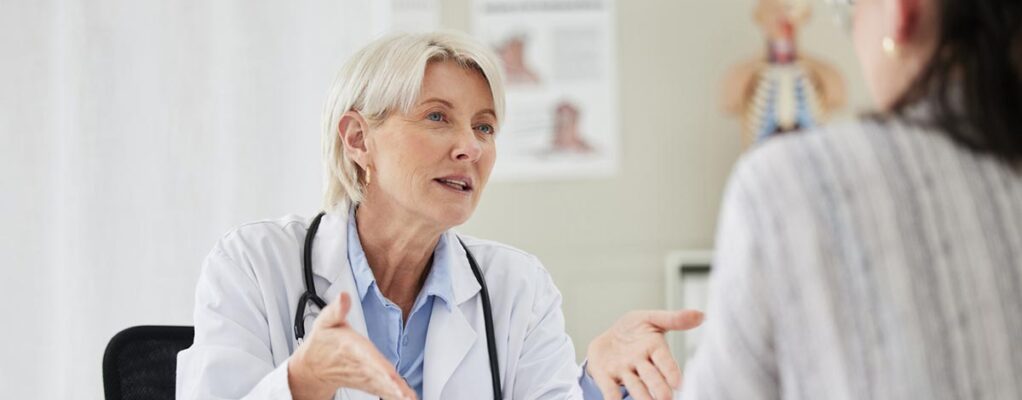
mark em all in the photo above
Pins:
pixel 865 261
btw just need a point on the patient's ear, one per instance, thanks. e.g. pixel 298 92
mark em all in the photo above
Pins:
pixel 903 19
pixel 351 130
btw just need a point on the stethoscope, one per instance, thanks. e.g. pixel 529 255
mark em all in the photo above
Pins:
pixel 310 295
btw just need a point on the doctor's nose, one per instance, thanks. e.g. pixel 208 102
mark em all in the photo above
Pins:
pixel 467 147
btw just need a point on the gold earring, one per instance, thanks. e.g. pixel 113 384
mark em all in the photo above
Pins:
pixel 369 176
pixel 890 47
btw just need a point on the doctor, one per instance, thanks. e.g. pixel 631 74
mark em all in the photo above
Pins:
pixel 396 304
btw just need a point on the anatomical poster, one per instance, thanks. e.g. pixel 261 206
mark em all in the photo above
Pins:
pixel 557 58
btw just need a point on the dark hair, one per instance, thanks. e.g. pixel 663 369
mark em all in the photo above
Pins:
pixel 973 83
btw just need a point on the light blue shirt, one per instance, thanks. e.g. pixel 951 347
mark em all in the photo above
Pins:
pixel 404 344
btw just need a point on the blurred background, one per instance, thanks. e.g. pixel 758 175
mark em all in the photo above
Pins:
pixel 135 133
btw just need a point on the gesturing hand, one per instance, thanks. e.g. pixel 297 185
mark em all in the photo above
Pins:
pixel 335 356
pixel 634 352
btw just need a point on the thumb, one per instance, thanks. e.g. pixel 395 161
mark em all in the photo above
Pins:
pixel 336 313
pixel 679 320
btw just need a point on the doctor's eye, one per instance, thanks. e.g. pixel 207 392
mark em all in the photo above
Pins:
pixel 486 129
pixel 436 116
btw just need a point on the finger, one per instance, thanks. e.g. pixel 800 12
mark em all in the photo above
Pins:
pixel 335 314
pixel 385 384
pixel 654 381
pixel 664 361
pixel 675 320
pixel 387 389
pixel 392 384
pixel 344 299
pixel 607 386
pixel 404 391
pixel 636 389
pixel 409 394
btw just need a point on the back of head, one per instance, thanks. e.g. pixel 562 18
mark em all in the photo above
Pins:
pixel 386 77
pixel 973 83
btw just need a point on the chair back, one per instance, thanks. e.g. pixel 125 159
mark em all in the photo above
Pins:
pixel 141 362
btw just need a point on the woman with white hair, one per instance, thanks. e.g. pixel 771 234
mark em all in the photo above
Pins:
pixel 399 305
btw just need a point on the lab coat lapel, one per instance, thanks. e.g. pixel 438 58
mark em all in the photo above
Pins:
pixel 330 261
pixel 451 335
pixel 448 341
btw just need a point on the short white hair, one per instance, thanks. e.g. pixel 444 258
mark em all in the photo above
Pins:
pixel 384 77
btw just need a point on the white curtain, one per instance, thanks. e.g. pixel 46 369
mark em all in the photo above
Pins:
pixel 134 133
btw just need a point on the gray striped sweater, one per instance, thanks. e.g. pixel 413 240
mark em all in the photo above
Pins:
pixel 865 261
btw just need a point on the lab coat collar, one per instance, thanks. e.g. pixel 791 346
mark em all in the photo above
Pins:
pixel 463 283
pixel 329 248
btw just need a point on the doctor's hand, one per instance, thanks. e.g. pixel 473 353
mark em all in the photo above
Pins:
pixel 634 353
pixel 336 356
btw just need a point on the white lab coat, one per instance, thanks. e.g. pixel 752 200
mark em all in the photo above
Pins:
pixel 251 281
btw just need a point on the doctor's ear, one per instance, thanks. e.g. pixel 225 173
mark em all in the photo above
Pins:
pixel 352 130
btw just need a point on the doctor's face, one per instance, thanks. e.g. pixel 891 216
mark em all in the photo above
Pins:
pixel 434 161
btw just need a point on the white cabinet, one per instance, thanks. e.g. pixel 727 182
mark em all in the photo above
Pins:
pixel 686 274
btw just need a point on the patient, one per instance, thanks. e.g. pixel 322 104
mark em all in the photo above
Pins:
pixel 882 259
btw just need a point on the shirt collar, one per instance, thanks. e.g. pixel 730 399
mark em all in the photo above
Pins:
pixel 438 282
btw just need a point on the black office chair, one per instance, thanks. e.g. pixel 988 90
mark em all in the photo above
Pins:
pixel 141 362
